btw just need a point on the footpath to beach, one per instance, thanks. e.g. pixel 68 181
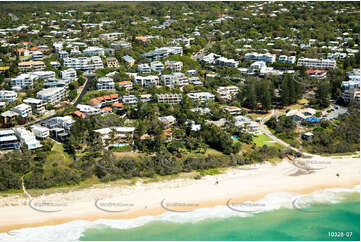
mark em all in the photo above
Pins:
pixel 144 199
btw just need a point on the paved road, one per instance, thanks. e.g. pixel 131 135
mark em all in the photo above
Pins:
pixel 85 89
pixel 268 133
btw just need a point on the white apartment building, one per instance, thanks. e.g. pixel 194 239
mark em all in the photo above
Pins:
pixel 248 124
pixel 36 55
pixel 10 96
pixel 174 65
pixel 130 99
pixel 93 51
pixel 23 80
pixel 105 83
pixel 316 63
pixel 228 92
pixel 157 66
pixel 146 80
pixel 37 105
pixel 222 61
pixel 51 95
pixel 40 131
pixel 168 80
pixel 27 139
pixel 87 109
pixel 170 98
pixel 110 36
pixel 286 59
pixel 268 58
pixel 69 74
pixel 233 110
pixel 201 96
pixel 63 54
pixel 27 79
pixel 24 110
pixel 144 68
pixel 84 63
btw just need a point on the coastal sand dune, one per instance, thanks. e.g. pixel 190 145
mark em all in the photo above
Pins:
pixel 119 202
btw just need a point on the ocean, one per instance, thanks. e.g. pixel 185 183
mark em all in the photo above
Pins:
pixel 329 214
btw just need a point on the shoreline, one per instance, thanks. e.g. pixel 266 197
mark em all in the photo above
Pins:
pixel 238 185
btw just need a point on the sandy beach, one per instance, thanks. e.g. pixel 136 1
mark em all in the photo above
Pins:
pixel 142 199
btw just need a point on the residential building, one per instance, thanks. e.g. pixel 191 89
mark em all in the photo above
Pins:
pixel 65 122
pixel 23 80
pixel 317 73
pixel 316 63
pixel 69 74
pixel 37 105
pixel 31 65
pixel 201 96
pixel 103 101
pixel 228 92
pixel 51 95
pixel 122 134
pixel 63 54
pixel 27 138
pixel 105 83
pixel 94 51
pixel 286 59
pixel 110 36
pixel 84 63
pixel 8 140
pixel 248 124
pixel 222 61
pixel 40 131
pixel 10 96
pixel 129 60
pixel 127 84
pixel 147 80
pixel 112 62
pixel 55 83
pixel 157 66
pixel 163 52
pixel 170 98
pixel 87 109
pixel 37 55
pixel 233 110
pixel 168 120
pixel 301 114
pixel 268 58
pixel 146 98
pixel 168 80
pixel 175 66
pixel 120 45
pixel 258 66
pixel 144 68
pixel 350 96
pixel 24 110
pixel 130 100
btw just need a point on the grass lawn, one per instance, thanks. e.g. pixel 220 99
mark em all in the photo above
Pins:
pixel 261 140
pixel 57 155
pixel 211 151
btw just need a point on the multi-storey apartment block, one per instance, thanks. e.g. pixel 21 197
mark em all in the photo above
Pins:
pixel 317 63
pixel 170 98
pixel 51 95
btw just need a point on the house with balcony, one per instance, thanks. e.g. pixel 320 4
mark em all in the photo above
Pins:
pixel 169 98
pixel 105 83
pixel 201 97
pixel 24 110
pixel 37 105
pixel 51 95
pixel 8 140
